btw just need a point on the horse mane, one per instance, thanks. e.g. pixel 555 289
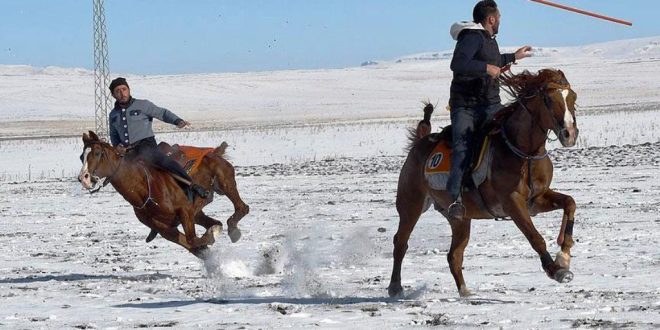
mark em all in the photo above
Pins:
pixel 527 83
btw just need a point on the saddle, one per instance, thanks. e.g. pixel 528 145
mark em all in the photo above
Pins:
pixel 438 163
pixel 188 157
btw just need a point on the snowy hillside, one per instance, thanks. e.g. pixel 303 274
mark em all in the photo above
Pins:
pixel 317 155
pixel 39 101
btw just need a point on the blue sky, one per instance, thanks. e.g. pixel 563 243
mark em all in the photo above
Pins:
pixel 174 36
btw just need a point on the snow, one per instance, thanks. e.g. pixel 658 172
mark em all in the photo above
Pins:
pixel 317 154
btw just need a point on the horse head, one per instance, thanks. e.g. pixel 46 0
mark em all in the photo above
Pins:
pixel 560 99
pixel 99 161
pixel 557 110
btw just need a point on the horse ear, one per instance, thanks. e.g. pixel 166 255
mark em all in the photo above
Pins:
pixel 86 138
pixel 93 136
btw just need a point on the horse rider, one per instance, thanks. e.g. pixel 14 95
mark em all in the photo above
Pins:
pixel 131 133
pixel 475 91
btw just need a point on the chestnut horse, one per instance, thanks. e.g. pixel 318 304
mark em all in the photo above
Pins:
pixel 543 102
pixel 157 199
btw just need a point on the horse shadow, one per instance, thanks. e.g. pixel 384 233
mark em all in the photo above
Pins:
pixel 301 301
pixel 82 277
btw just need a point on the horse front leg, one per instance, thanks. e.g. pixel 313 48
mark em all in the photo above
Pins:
pixel 516 208
pixel 188 224
pixel 552 200
pixel 175 236
pixel 460 236
pixel 205 221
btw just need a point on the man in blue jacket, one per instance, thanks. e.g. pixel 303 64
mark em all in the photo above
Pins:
pixel 130 131
pixel 475 91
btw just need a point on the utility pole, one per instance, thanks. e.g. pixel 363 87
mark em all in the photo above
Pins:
pixel 101 81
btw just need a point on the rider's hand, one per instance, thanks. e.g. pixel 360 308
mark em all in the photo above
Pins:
pixel 493 71
pixel 523 52
pixel 182 124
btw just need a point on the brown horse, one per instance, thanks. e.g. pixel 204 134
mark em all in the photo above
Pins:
pixel 157 199
pixel 518 184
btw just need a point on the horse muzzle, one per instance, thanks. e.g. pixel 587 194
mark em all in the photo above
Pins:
pixel 568 136
pixel 88 181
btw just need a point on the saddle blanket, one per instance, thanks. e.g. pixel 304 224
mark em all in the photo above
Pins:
pixel 438 165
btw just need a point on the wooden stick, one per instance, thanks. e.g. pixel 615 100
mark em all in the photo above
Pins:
pixel 584 12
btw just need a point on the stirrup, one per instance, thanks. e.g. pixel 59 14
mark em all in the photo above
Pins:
pixel 456 210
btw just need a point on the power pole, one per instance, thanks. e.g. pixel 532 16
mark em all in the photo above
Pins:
pixel 101 81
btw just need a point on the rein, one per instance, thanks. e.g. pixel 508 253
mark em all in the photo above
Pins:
pixel 149 197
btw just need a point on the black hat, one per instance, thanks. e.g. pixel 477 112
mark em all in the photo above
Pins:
pixel 117 82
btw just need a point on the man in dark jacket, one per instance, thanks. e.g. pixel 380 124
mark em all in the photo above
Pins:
pixel 475 90
pixel 130 131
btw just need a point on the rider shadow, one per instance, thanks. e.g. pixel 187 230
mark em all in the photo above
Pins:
pixel 82 277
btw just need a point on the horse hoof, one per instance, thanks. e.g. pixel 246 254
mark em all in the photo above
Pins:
pixel 151 236
pixel 234 234
pixel 201 252
pixel 464 292
pixel 563 276
pixel 215 231
pixel 395 290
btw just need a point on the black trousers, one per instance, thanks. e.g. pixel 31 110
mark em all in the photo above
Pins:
pixel 147 150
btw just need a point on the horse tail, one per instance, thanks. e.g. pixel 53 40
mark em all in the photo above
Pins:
pixel 220 151
pixel 423 127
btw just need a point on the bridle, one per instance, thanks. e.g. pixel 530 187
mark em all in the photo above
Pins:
pixel 548 107
pixel 109 178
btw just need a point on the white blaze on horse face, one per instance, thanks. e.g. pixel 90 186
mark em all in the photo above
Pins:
pixel 568 117
pixel 84 177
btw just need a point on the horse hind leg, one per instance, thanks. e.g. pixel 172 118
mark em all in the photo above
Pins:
pixel 226 182
pixel 410 205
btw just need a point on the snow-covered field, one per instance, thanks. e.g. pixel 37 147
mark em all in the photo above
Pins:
pixel 317 156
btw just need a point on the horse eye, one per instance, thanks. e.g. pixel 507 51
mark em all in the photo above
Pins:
pixel 81 158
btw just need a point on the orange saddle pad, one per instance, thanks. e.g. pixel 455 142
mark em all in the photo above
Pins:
pixel 439 159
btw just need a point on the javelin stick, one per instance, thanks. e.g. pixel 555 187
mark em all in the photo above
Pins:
pixel 584 12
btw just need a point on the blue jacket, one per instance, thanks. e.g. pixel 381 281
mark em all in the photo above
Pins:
pixel 133 123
